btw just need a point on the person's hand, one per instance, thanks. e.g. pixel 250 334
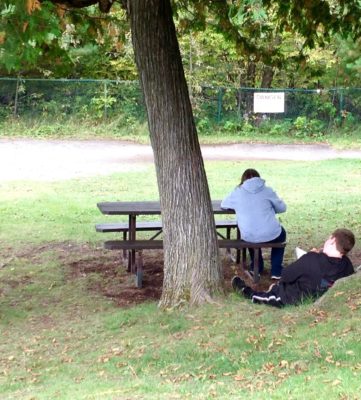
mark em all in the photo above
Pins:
pixel 315 250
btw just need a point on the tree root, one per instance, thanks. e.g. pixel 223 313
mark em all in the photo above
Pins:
pixel 319 302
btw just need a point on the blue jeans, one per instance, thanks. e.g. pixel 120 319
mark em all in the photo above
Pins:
pixel 276 256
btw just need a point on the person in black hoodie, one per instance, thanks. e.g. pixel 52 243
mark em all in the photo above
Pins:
pixel 308 277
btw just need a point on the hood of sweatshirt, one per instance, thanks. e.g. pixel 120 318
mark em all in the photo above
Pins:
pixel 333 268
pixel 253 185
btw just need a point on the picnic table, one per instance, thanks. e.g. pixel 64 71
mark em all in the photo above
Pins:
pixel 133 209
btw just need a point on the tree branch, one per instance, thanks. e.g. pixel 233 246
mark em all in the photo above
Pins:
pixel 104 5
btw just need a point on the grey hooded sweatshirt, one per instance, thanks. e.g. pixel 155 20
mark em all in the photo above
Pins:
pixel 256 206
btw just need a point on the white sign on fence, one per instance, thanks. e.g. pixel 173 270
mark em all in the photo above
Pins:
pixel 269 102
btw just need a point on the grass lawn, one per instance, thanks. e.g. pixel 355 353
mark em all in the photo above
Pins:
pixel 61 338
pixel 345 137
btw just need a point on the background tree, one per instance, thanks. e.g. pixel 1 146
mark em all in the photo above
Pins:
pixel 235 43
pixel 52 40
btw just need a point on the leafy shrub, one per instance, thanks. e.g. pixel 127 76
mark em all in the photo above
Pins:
pixel 204 126
pixel 5 112
pixel 232 126
pixel 248 128
pixel 101 104
pixel 308 128
pixel 276 127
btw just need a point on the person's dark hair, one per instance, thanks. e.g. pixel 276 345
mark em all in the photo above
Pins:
pixel 345 240
pixel 248 174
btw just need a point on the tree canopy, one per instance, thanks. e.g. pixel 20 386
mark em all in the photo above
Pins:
pixel 244 43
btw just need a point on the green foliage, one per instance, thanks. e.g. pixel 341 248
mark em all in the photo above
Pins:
pixel 45 41
pixel 296 41
pixel 27 38
pixel 204 126
pixel 219 42
pixel 281 128
pixel 317 21
pixel 116 109
pixel 305 127
pixel 233 126
pixel 102 104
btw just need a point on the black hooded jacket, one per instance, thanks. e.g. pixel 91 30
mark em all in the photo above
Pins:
pixel 310 275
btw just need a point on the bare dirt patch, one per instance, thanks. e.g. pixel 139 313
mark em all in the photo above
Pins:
pixel 107 271
pixel 118 284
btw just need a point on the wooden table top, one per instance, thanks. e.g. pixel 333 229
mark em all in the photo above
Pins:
pixel 146 208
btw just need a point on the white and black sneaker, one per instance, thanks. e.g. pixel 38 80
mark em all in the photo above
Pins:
pixel 238 284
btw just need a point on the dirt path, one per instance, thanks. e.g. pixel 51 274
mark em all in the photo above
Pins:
pixel 59 160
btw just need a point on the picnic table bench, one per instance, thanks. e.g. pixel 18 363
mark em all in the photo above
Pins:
pixel 155 226
pixel 123 227
pixel 140 245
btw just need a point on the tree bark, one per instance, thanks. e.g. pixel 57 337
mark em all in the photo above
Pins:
pixel 267 77
pixel 251 74
pixel 192 271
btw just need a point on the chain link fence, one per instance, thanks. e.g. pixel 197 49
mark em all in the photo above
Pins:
pixel 322 104
pixel 105 100
pixel 58 100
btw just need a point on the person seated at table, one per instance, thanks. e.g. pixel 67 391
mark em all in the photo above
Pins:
pixel 309 276
pixel 256 206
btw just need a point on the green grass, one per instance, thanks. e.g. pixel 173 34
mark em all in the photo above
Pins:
pixel 60 339
pixel 73 128
pixel 320 195
pixel 345 137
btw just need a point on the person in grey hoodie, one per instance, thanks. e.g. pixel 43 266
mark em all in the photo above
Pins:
pixel 256 206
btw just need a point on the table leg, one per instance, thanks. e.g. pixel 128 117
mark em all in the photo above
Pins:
pixel 139 271
pixel 132 236
pixel 256 265
pixel 244 258
pixel 124 238
pixel 228 236
pixel 238 251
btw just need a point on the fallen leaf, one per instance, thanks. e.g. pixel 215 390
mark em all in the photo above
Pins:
pixel 330 359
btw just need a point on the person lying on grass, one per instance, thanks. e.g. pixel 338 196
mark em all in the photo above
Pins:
pixel 310 276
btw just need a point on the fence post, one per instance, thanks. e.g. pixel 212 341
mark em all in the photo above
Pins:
pixel 16 97
pixel 239 100
pixel 105 98
pixel 341 104
pixel 219 104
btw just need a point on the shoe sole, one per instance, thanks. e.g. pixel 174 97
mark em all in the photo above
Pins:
pixel 235 287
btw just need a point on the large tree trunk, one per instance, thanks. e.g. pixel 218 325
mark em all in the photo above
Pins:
pixel 192 272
